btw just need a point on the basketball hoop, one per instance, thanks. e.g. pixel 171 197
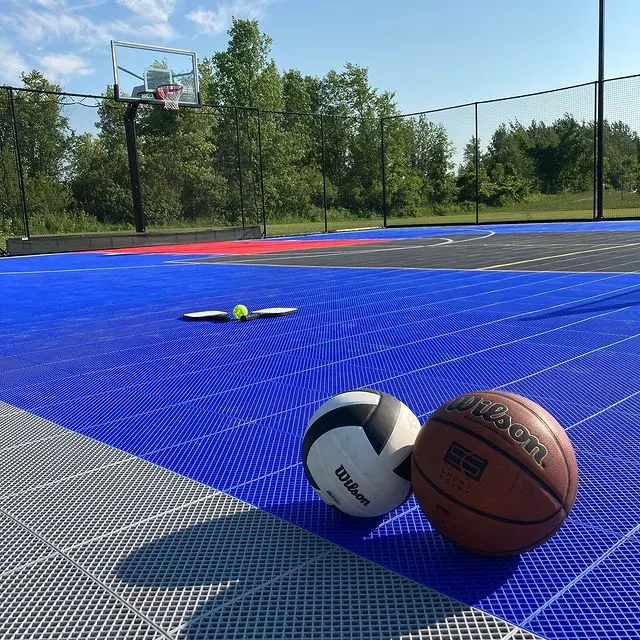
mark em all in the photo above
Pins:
pixel 169 94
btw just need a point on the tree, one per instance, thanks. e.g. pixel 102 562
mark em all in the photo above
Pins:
pixel 509 165
pixel 46 149
pixel 622 154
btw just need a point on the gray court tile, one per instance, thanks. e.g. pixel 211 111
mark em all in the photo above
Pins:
pixel 94 504
pixel 19 546
pixel 55 600
pixel 53 459
pixel 18 428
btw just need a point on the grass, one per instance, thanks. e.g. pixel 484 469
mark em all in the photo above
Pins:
pixel 570 206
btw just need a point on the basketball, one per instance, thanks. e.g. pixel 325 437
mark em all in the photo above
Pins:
pixel 356 452
pixel 494 472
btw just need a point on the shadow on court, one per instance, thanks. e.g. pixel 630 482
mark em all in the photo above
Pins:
pixel 271 580
pixel 606 303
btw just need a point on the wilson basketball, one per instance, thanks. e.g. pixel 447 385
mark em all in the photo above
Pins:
pixel 494 472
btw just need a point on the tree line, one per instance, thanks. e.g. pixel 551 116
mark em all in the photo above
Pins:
pixel 216 165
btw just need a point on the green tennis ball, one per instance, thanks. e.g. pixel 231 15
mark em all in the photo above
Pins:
pixel 240 311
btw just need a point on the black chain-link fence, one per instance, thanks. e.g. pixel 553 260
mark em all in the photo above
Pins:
pixel 65 167
pixel 622 147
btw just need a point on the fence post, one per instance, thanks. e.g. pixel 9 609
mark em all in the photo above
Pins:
pixel 239 166
pixel 324 176
pixel 595 150
pixel 264 213
pixel 384 173
pixel 23 194
pixel 477 150
pixel 600 160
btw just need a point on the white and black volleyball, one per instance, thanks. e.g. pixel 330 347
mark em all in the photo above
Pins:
pixel 356 452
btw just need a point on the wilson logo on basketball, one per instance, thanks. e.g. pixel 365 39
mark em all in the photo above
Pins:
pixel 352 487
pixel 497 415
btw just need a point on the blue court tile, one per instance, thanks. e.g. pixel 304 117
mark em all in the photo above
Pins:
pixel 608 492
pixel 572 387
pixel 478 373
pixel 35 374
pixel 10 363
pixel 262 400
pixel 604 603
pixel 334 350
pixel 587 337
pixel 294 421
pixel 70 388
pixel 511 588
pixel 332 379
pixel 513 361
pixel 424 392
pixel 160 429
pixel 76 351
pixel 566 413
pixel 610 434
pixel 96 409
pixel 169 366
pixel 607 362
pixel 231 458
pixel 94 357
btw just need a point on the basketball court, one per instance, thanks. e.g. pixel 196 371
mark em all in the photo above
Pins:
pixel 152 484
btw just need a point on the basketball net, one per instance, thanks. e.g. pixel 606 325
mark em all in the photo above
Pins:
pixel 170 95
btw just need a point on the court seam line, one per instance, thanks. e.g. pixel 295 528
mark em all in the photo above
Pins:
pixel 279 378
pixel 79 545
pixel 214 494
pixel 220 393
pixel 611 406
pixel 80 474
pixel 448 289
pixel 106 392
pixel 215 609
pixel 445 290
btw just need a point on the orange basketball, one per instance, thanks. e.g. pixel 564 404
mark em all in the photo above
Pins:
pixel 494 472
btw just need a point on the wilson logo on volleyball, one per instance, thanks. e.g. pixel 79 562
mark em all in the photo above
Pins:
pixel 352 487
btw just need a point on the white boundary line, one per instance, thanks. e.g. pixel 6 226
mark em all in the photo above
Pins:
pixel 561 255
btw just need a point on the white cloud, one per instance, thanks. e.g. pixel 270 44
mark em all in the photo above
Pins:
pixel 51 20
pixel 60 65
pixel 50 4
pixel 151 10
pixel 13 64
pixel 218 20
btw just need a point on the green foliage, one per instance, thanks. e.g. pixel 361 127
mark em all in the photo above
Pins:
pixel 273 136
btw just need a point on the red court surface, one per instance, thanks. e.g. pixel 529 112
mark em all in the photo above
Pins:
pixel 241 247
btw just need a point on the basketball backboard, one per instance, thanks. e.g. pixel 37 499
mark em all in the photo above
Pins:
pixel 139 69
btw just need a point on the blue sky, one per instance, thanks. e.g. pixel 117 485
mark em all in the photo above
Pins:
pixel 431 53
